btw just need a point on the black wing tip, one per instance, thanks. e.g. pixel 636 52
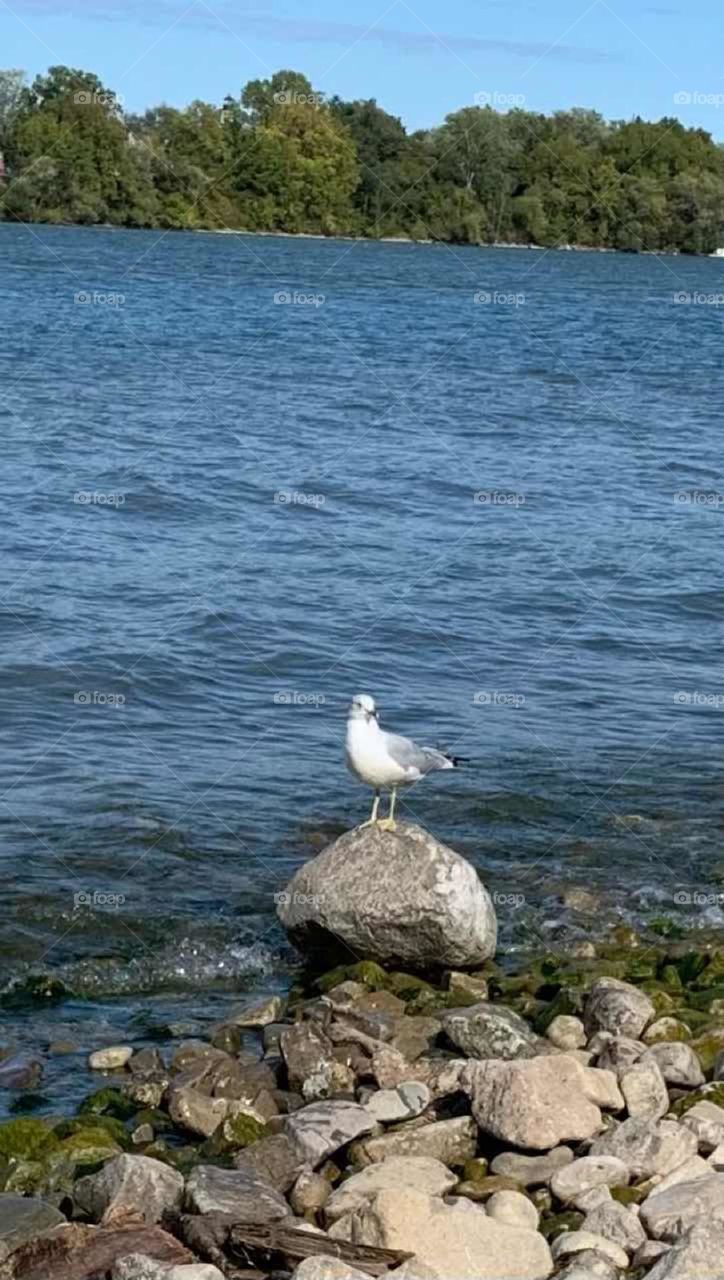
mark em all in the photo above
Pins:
pixel 456 761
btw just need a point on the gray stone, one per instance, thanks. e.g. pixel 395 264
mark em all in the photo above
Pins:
pixel 324 1268
pixel 649 1252
pixel 257 1014
pixel 532 1171
pixel 322 1128
pixel 391 896
pixel 20 1071
pixel 572 1242
pixel 677 1063
pixel 138 1266
pixel 693 1168
pixel 616 1223
pixel 668 1215
pixel 585 1173
pixel 196 1112
pixel 471 984
pixel 193 1271
pixel 305 1049
pixel 698 1255
pixel 600 1086
pixel 489 1031
pixel 534 1103
pixel 588 1264
pixel 647 1148
pixel 134 1182
pixel 419 1172
pixel 405 1102
pixel 274 1159
pixel 110 1059
pixel 448 1240
pixel 618 1007
pixel 234 1191
pixel 706 1121
pixel 22 1219
pixel 450 1141
pixel 644 1090
pixel 513 1209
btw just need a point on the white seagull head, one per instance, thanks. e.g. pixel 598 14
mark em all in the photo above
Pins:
pixel 363 708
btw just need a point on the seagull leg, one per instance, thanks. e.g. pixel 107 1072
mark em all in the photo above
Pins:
pixel 388 823
pixel 372 820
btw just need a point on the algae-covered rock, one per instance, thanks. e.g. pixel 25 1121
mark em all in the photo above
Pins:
pixel 233 1134
pixel 90 1146
pixel 558 1223
pixel 707 1045
pixel 26 1139
pixel 368 972
pixel 481 1189
pixel 116 1131
pixel 107 1102
pixel 665 1030
pixel 475 1169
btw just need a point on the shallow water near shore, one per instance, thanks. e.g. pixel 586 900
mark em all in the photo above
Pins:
pixel 225 514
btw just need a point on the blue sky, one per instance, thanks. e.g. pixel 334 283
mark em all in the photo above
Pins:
pixel 420 59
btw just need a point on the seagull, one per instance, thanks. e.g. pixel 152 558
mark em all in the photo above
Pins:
pixel 385 760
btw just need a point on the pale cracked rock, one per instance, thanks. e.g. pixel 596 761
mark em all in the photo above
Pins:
pixel 449 1241
pixel 677 1063
pixel 588 1264
pixel 532 1171
pixel 649 1252
pixel 566 1032
pixel 110 1059
pixel 586 1173
pixel 451 1141
pixel 533 1103
pixel 130 1182
pixel 320 1129
pixel 324 1268
pixel 616 1053
pixel 572 1242
pixel 490 1031
pixel 698 1255
pixel 706 1122
pixel 600 1087
pixel 644 1090
pixel 647 1148
pixel 192 1110
pixel 398 897
pixel 616 1223
pixel 405 1102
pixel 419 1172
pixel 513 1209
pixel 668 1215
pixel 619 1007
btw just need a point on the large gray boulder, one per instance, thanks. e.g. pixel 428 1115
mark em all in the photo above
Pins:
pixel 130 1182
pixel 22 1219
pixel 668 1215
pixel 532 1103
pixel 490 1031
pixel 698 1255
pixel 234 1191
pixel 394 897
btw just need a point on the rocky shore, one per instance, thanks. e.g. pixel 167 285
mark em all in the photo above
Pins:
pixel 418 1110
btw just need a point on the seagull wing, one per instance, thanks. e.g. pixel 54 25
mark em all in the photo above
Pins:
pixel 408 755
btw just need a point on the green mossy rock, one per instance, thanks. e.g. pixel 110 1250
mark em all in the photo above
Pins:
pixel 475 1170
pixel 671 978
pixel 628 1195
pixel 707 1045
pixel 690 965
pixel 483 1188
pixel 697 1019
pixel 26 1139
pixel 703 1000
pixel 234 1134
pixel 90 1146
pixel 372 975
pixel 430 1002
pixel 713 974
pixel 709 1093
pixel 661 999
pixel 641 968
pixel 666 1029
pixel 158 1120
pixel 115 1129
pixel 406 986
pixel 555 1226
pixel 107 1102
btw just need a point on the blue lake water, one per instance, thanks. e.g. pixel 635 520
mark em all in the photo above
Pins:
pixel 244 478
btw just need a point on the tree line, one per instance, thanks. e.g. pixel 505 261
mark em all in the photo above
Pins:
pixel 282 157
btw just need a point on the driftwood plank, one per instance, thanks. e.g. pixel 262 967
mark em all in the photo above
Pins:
pixel 294 1243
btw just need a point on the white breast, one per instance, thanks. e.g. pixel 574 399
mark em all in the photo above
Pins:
pixel 367 756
